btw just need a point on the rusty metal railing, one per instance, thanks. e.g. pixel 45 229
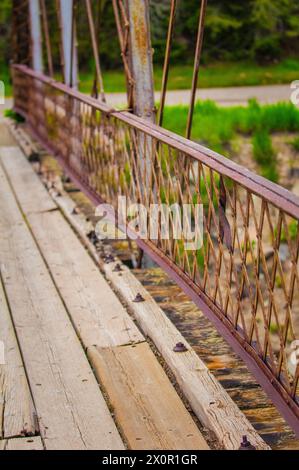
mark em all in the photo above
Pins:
pixel 245 276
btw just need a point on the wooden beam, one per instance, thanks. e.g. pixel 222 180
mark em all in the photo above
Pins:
pixel 18 416
pixel 25 443
pixel 71 410
pixel 146 406
pixel 96 312
pixel 208 399
pixel 149 411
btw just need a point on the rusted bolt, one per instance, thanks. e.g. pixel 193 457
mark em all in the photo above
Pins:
pixel 246 445
pixel 76 211
pixel 180 347
pixel 138 298
pixel 34 157
pixel 92 236
pixel 109 259
pixel 117 268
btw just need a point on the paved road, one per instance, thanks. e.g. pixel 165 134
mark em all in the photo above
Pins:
pixel 222 96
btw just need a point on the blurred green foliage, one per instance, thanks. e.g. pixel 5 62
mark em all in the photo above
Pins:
pixel 218 128
pixel 263 30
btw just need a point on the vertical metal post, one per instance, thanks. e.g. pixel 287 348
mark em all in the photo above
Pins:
pixel 20 38
pixel 47 37
pixel 141 64
pixel 95 47
pixel 36 35
pixel 141 58
pixel 199 43
pixel 69 51
pixel 173 6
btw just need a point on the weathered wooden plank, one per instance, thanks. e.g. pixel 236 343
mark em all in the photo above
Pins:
pixel 24 178
pixel 16 406
pixel 71 410
pixel 67 259
pixel 206 396
pixel 96 312
pixel 229 424
pixel 209 401
pixel 25 443
pixel 146 406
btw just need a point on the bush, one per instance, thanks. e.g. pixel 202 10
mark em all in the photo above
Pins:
pixel 264 154
pixel 295 144
pixel 267 50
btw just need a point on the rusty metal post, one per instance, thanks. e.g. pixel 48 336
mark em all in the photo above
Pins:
pixel 141 64
pixel 20 38
pixel 141 58
pixel 36 35
pixel 69 51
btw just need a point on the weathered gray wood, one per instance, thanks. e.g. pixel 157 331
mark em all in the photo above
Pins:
pixel 71 410
pixel 213 406
pixel 16 406
pixel 209 401
pixel 96 312
pixel 206 396
pixel 25 443
pixel 32 201
pixel 146 406
pixel 167 421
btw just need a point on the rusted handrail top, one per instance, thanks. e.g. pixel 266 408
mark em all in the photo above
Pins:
pixel 271 192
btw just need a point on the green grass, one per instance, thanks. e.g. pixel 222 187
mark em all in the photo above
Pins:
pixel 180 76
pixel 265 155
pixel 9 113
pixel 218 127
pixel 295 144
pixel 4 77
pixel 216 75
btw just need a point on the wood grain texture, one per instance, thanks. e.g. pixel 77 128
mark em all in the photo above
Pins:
pixel 17 413
pixel 96 312
pixel 24 178
pixel 71 410
pixel 146 406
pixel 25 443
pixel 208 399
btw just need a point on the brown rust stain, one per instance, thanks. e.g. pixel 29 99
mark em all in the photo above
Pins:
pixel 140 30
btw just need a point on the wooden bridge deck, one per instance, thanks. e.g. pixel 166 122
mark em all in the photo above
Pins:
pixel 62 326
pixel 66 332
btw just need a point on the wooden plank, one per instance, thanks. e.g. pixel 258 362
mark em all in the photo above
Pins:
pixel 16 407
pixel 24 178
pixel 71 410
pixel 146 406
pixel 67 259
pixel 96 312
pixel 227 422
pixel 208 399
pixel 32 443
pixel 99 319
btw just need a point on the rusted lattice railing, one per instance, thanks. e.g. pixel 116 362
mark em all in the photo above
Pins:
pixel 245 275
